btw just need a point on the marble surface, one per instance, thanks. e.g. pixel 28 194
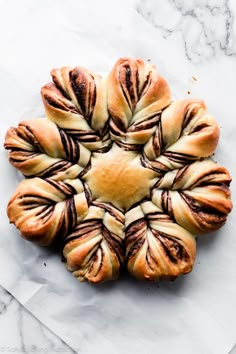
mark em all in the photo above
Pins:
pixel 21 332
pixel 203 32
pixel 204 29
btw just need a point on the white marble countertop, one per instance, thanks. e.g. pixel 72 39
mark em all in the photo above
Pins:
pixel 203 31
pixel 21 332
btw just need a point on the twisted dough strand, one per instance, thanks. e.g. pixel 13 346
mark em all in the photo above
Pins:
pixel 197 196
pixel 43 209
pixel 38 147
pixel 186 132
pixel 76 102
pixel 136 96
pixel 94 250
pixel 156 247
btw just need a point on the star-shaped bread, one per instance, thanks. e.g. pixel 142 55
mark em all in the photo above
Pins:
pixel 118 174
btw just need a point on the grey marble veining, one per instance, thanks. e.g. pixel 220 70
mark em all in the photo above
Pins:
pixel 205 28
pixel 5 300
pixel 21 332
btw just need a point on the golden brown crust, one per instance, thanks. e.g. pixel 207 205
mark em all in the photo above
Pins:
pixel 136 96
pixel 76 102
pixel 156 247
pixel 94 250
pixel 43 209
pixel 186 132
pixel 119 175
pixel 38 147
pixel 196 196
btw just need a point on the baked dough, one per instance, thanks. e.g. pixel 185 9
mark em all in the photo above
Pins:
pixel 118 174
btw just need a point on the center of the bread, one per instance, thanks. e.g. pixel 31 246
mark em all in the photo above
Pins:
pixel 118 177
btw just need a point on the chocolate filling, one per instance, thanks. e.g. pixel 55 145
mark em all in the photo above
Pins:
pixel 79 86
pixel 150 259
pixel 115 246
pixel 179 157
pixel 189 115
pixel 111 209
pixel 129 147
pixel 135 249
pixel 125 83
pixel 198 128
pixel 146 124
pixel 71 147
pixel 55 168
pixel 59 104
pixel 146 85
pixel 60 88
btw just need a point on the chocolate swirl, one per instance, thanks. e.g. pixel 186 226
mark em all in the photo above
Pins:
pixel 38 147
pixel 76 102
pixel 136 96
pixel 197 196
pixel 44 209
pixel 94 250
pixel 185 133
pixel 156 247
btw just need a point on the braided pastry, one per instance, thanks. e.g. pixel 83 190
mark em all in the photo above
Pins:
pixel 118 174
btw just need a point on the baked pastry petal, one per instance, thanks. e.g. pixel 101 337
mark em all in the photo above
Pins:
pixel 186 132
pixel 44 209
pixel 197 196
pixel 121 174
pixel 94 250
pixel 136 96
pixel 38 147
pixel 76 102
pixel 157 247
